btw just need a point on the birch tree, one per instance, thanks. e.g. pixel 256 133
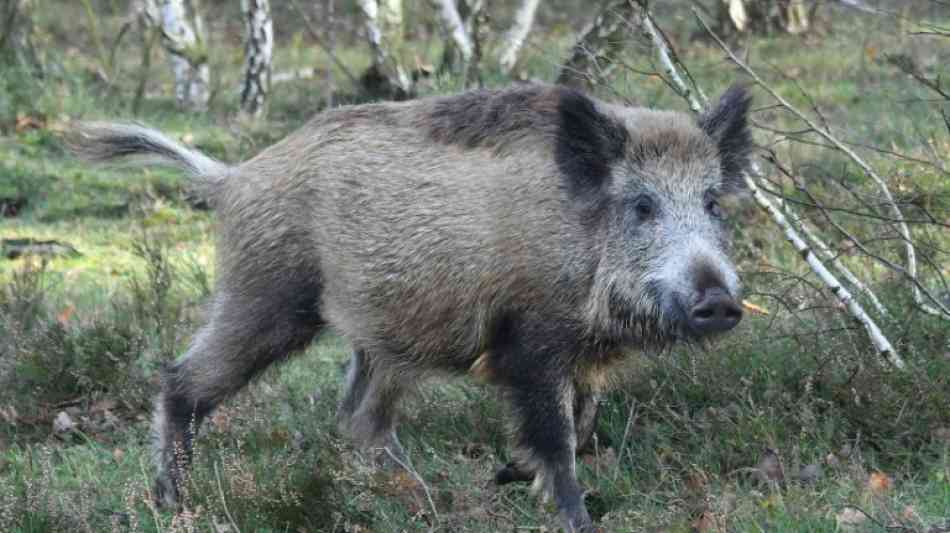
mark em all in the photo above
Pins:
pixel 459 22
pixel 387 74
pixel 183 37
pixel 514 39
pixel 16 35
pixel 454 28
pixel 258 49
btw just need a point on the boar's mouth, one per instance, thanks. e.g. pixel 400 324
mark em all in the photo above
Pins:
pixel 648 323
pixel 659 320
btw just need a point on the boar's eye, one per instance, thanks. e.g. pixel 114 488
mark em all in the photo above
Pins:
pixel 644 207
pixel 712 206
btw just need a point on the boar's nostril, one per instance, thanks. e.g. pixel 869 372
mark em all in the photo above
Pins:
pixel 715 312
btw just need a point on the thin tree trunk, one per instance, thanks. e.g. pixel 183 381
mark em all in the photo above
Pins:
pixel 592 56
pixel 258 49
pixel 145 13
pixel 516 35
pixel 184 39
pixel 387 75
pixel 455 58
pixel 454 27
pixel 16 35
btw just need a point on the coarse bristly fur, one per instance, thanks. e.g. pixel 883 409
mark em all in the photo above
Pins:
pixel 530 236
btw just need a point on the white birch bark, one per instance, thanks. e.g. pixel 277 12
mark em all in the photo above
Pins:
pixel 832 258
pixel 184 40
pixel 910 253
pixel 383 19
pixel 454 27
pixel 258 50
pixel 516 35
pixel 880 342
pixel 697 103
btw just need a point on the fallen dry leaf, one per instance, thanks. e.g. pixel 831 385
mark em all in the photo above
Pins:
pixel 879 482
pixel 29 122
pixel 705 522
pixel 754 309
pixel 64 316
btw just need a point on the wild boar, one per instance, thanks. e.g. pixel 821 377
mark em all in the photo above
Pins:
pixel 531 236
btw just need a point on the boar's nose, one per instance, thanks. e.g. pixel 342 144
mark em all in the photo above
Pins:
pixel 715 312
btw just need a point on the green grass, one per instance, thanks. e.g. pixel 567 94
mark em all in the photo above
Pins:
pixel 677 446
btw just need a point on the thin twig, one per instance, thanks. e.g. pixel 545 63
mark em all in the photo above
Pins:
pixel 832 258
pixel 411 470
pixel 224 502
pixel 903 229
pixel 315 35
pixel 881 343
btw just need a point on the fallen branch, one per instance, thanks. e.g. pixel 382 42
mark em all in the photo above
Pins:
pixel 884 346
pixel 937 309
pixel 832 258
pixel 697 104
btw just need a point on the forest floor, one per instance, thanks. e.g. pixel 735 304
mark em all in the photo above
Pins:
pixel 790 424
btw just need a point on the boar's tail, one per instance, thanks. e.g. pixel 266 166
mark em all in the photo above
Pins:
pixel 134 144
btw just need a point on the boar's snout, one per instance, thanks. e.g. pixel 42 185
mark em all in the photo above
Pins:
pixel 714 312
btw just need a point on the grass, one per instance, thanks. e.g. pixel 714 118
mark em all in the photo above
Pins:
pixel 861 447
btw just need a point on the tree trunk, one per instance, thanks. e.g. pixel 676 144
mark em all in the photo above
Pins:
pixel 387 76
pixel 454 57
pixel 516 35
pixel 16 36
pixel 454 28
pixel 258 48
pixel 592 56
pixel 184 39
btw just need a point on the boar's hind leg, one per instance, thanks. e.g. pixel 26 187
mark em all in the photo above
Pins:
pixel 245 335
pixel 368 410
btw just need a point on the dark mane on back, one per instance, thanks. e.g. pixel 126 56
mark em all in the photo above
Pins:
pixel 492 118
pixel 585 141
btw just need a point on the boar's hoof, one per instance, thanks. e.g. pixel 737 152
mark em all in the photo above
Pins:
pixel 165 492
pixel 512 473
pixel 576 520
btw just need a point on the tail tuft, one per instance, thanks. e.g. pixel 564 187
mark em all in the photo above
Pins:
pixel 134 144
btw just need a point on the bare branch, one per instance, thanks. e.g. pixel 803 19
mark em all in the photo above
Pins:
pixel 881 343
pixel 315 35
pixel 903 229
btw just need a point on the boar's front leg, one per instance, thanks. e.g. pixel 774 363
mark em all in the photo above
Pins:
pixel 546 443
pixel 533 360
pixel 586 404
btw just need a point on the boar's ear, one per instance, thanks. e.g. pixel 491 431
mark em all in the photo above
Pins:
pixel 727 124
pixel 587 141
